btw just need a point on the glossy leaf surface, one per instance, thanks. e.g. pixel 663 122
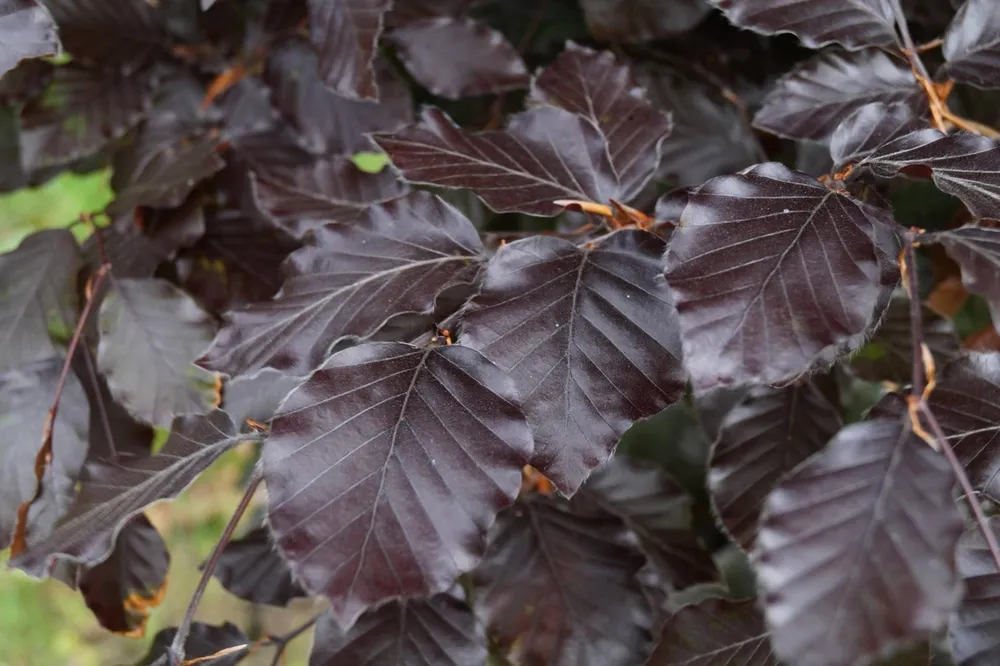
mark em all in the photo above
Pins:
pixel 972 630
pixel 878 569
pixel 345 34
pixel 26 31
pixel 587 334
pixel 715 632
pixel 385 469
pixel 972 45
pixel 867 128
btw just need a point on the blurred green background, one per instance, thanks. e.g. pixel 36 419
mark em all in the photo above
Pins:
pixel 45 623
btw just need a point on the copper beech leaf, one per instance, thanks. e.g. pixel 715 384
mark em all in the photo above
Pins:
pixel 26 31
pixel 112 491
pixel 345 34
pixel 976 248
pixel 348 282
pixel 853 24
pixel 588 335
pixel 459 57
pixel 715 632
pixel 770 270
pixel 972 631
pixel 386 468
pixel 641 20
pixel 110 31
pixel 972 45
pixel 856 550
pixel 204 641
pixel 869 127
pixel 560 589
pixel 596 86
pixel 136 243
pixel 151 334
pixel 811 101
pixel 38 301
pixel 763 438
pixel 658 510
pixel 309 197
pixel 251 568
pixel 544 154
pixel 439 631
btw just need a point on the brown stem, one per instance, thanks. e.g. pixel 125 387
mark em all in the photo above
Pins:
pixel 283 640
pixel 908 267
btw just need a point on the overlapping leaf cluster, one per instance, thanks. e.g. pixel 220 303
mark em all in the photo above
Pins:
pixel 608 314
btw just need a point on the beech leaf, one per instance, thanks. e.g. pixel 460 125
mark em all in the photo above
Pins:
pixel 763 438
pixel 869 127
pixel 252 569
pixel 972 45
pixel 976 248
pixel 203 641
pixel 439 631
pixel 387 466
pixel 561 589
pixel 769 269
pixel 588 336
pixel 878 568
pixel 811 101
pixel 641 20
pixel 26 31
pixel 345 34
pixel 349 282
pixel 112 491
pixel 151 334
pixel 545 154
pixel 109 31
pixel 596 86
pixel 715 631
pixel 487 64
pixel 972 629
pixel 135 244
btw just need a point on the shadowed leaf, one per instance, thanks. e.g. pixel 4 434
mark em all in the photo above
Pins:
pixel 345 34
pixel 587 334
pixel 972 45
pixel 544 154
pixel 385 469
pixel 769 270
pixel 972 630
pixel 817 23
pixel 257 396
pixel 404 12
pixel 38 299
pixel 763 438
pixel 596 86
pixel 252 569
pixel 135 244
pixel 349 282
pixel 203 641
pixel 976 248
pixel 440 631
pixel 26 394
pixel 560 589
pixel 151 334
pixel 26 31
pixel 869 127
pixel 641 20
pixel 856 550
pixel 109 31
pixel 459 57
pixel 658 510
pixel 112 491
pixel 812 100
pixel 715 632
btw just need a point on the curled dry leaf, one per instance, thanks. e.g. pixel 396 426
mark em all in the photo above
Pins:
pixel 387 466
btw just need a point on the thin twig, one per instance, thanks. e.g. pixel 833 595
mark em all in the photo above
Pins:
pixel 176 650
pixel 283 640
pixel 908 267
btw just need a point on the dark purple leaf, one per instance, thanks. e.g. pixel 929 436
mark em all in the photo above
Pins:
pixel 151 334
pixel 112 428
pixel 122 589
pixel 641 20
pixel 972 631
pixel 459 57
pixel 328 123
pixel 38 301
pixel 203 641
pixel 257 396
pixel 112 491
pixel 763 438
pixel 976 248
pixel 658 510
pixel 109 30
pixel 769 270
pixel 251 569
pixel 710 134
pixel 544 154
pixel 560 589
pixel 326 191
pixel 888 355
pixel 80 111
pixel 852 23
pixel 136 243
pixel 715 632
pixel 596 86
pixel 964 165
pixel 871 126
pixel 856 550
pixel 440 631
pixel 349 282
pixel 385 469
pixel 26 394
pixel 972 45
pixel 408 11
pixel 26 31
pixel 25 81
pixel 811 101
pixel 345 34
pixel 588 335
